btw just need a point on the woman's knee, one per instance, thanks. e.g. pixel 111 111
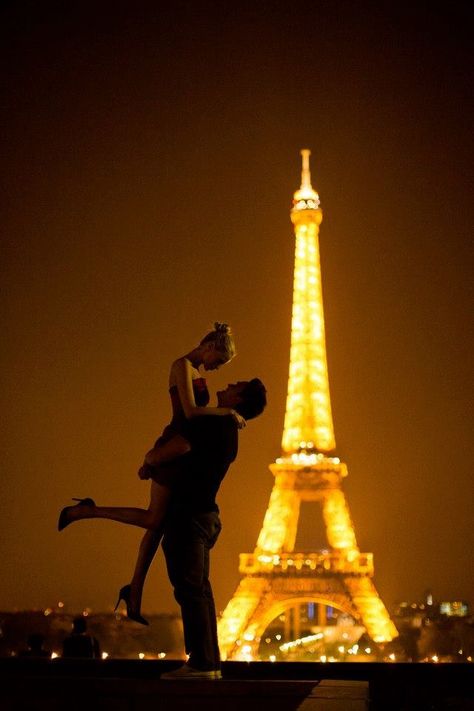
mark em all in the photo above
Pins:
pixel 155 521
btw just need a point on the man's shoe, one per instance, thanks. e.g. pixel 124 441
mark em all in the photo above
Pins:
pixel 187 672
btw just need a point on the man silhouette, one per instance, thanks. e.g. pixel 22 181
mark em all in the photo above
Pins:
pixel 192 524
pixel 79 643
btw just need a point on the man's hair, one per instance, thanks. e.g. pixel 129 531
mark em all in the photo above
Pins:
pixel 254 399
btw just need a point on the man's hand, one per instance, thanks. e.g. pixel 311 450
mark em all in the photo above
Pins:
pixel 240 421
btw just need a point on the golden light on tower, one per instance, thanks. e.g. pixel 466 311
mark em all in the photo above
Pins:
pixel 308 420
pixel 276 577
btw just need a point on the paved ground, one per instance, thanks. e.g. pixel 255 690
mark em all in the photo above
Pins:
pixel 128 685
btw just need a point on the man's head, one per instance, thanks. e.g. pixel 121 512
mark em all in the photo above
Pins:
pixel 35 641
pixel 79 625
pixel 247 397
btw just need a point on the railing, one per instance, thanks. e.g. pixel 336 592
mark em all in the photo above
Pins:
pixel 330 563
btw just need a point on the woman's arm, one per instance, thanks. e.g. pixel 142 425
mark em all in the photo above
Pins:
pixel 183 377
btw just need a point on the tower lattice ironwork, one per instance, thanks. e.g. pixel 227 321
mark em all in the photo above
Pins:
pixel 276 577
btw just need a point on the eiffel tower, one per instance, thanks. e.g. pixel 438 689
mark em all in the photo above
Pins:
pixel 278 582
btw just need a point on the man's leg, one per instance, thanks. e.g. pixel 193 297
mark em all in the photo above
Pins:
pixel 186 546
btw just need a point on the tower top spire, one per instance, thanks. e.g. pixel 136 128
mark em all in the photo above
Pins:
pixel 306 198
pixel 305 174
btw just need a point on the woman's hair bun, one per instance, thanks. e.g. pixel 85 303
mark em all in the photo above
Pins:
pixel 222 338
pixel 221 327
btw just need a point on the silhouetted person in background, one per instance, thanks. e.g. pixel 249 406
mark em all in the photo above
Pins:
pixel 35 643
pixel 79 643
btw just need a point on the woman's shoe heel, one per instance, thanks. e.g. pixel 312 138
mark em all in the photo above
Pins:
pixel 124 594
pixel 63 516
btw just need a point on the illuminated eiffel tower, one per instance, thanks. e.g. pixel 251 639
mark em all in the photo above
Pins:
pixel 277 580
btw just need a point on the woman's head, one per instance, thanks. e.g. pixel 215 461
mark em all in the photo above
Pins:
pixel 217 346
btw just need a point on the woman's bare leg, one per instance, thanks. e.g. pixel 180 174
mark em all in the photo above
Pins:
pixel 149 545
pixel 146 552
pixel 150 518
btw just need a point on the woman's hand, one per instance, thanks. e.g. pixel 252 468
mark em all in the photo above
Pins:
pixel 238 419
pixel 145 471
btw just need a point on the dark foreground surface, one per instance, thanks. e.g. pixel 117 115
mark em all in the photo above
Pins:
pixel 128 685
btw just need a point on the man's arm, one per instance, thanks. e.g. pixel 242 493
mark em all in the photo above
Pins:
pixel 209 439
pixel 212 438
pixel 174 448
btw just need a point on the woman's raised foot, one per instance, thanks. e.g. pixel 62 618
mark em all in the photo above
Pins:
pixel 67 514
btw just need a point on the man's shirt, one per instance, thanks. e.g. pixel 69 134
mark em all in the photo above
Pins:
pixel 214 444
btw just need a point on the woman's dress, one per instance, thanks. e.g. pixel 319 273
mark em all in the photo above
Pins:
pixel 164 473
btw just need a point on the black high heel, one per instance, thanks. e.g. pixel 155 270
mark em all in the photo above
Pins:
pixel 124 595
pixel 63 516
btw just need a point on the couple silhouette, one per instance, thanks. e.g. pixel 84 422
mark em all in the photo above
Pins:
pixel 186 466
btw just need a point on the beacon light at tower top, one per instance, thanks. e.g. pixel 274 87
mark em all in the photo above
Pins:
pixel 306 198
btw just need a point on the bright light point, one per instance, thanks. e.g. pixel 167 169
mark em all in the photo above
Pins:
pixel 278 637
pixel 105 655
pixel 141 655
pixel 60 604
pixel 54 655
pixel 391 657
pixel 435 658
pixel 323 659
pixel 47 612
pixel 161 655
pixel 272 658
pixel 367 650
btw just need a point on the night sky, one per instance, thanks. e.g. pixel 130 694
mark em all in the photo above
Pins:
pixel 150 155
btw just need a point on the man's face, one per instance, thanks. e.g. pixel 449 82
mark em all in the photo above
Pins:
pixel 232 395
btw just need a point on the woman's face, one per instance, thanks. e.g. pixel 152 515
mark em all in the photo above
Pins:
pixel 212 359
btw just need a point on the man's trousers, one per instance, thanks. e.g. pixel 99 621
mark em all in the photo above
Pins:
pixel 187 541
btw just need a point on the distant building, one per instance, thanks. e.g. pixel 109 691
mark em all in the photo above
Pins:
pixel 434 631
pixel 416 613
pixel 454 609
